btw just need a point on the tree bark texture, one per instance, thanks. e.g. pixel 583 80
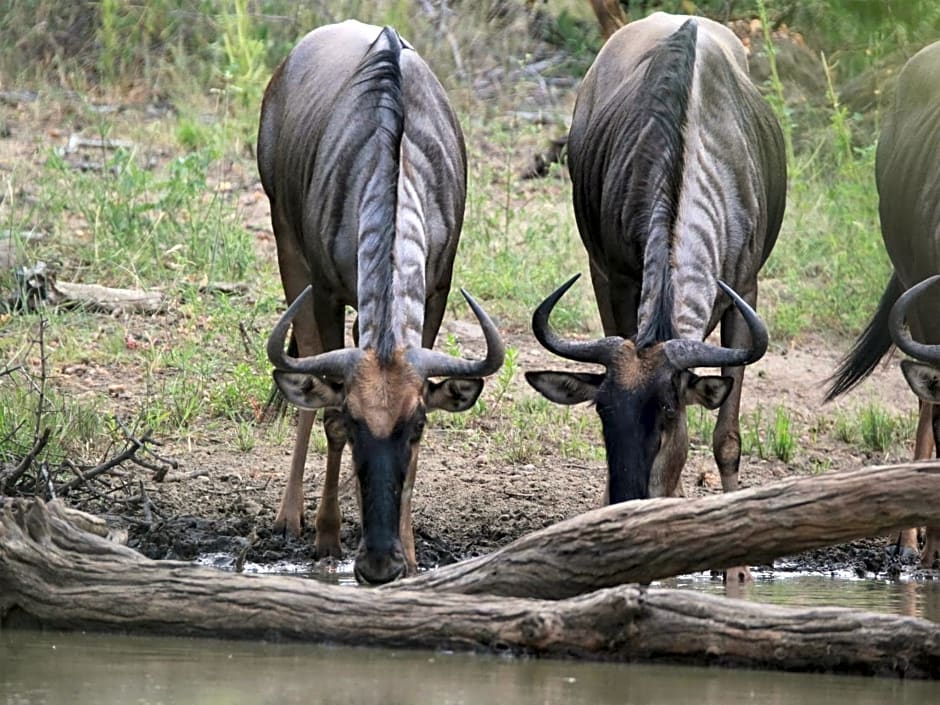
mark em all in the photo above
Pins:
pixel 57 574
pixel 646 540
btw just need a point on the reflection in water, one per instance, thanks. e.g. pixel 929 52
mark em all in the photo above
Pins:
pixel 911 598
pixel 47 667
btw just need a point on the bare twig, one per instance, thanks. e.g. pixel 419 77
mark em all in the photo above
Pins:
pixel 10 480
pixel 40 406
pixel 183 477
pixel 246 339
pixel 133 445
pixel 145 442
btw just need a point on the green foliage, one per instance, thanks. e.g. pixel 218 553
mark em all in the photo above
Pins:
pixel 30 406
pixel 782 440
pixel 506 373
pixel 701 423
pixel 765 440
pixel 244 53
pixel 141 226
pixel 859 31
pixel 829 266
pixel 775 98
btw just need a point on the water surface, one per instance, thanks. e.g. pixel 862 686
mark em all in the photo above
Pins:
pixel 51 668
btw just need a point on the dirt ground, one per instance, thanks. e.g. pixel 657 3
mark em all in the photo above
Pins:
pixel 467 503
pixel 467 500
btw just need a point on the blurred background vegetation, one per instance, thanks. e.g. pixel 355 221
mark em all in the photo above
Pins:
pixel 169 44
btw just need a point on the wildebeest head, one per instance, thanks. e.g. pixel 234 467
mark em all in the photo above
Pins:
pixel 642 395
pixel 384 404
pixel 922 373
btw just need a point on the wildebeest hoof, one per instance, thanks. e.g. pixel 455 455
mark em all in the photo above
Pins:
pixel 327 548
pixel 904 554
pixel 289 525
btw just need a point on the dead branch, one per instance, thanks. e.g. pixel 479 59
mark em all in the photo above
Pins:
pixel 133 446
pixel 647 540
pixel 10 480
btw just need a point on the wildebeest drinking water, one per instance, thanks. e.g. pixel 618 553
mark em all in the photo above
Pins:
pixel 364 163
pixel 679 179
pixel 907 171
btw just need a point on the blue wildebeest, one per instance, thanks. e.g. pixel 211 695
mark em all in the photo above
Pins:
pixel 679 179
pixel 907 171
pixel 364 164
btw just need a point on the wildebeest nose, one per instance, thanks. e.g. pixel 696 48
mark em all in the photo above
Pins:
pixel 377 569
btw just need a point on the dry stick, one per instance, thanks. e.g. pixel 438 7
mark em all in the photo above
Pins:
pixel 133 445
pixel 651 539
pixel 40 406
pixel 63 576
pixel 145 442
pixel 10 480
pixel 246 339
pixel 40 439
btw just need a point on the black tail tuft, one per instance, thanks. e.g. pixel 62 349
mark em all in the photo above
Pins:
pixel 870 347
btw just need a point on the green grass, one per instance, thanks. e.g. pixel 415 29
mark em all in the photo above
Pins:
pixel 769 438
pixel 782 441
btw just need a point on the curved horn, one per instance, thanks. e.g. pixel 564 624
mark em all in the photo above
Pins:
pixel 596 351
pixel 432 363
pixel 686 354
pixel 332 364
pixel 919 351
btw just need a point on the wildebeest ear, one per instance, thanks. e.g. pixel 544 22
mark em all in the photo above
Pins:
pixel 307 391
pixel 710 391
pixel 565 387
pixel 923 379
pixel 454 394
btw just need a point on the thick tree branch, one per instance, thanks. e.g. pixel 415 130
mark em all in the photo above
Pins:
pixel 648 540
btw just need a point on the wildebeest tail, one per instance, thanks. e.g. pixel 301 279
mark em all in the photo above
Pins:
pixel 870 347
pixel 378 108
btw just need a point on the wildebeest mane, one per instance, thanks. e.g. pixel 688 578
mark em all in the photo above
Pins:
pixel 638 140
pixel 377 125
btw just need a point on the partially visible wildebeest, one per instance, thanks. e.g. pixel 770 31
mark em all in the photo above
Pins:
pixel 364 163
pixel 679 178
pixel 907 171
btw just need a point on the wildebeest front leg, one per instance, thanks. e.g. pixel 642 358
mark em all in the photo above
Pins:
pixel 405 527
pixel 295 276
pixel 327 522
pixel 726 440
pixel 931 552
pixel 290 514
pixel 923 450
pixel 330 317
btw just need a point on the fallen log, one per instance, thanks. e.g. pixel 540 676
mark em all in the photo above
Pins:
pixel 647 540
pixel 55 573
pixel 109 299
